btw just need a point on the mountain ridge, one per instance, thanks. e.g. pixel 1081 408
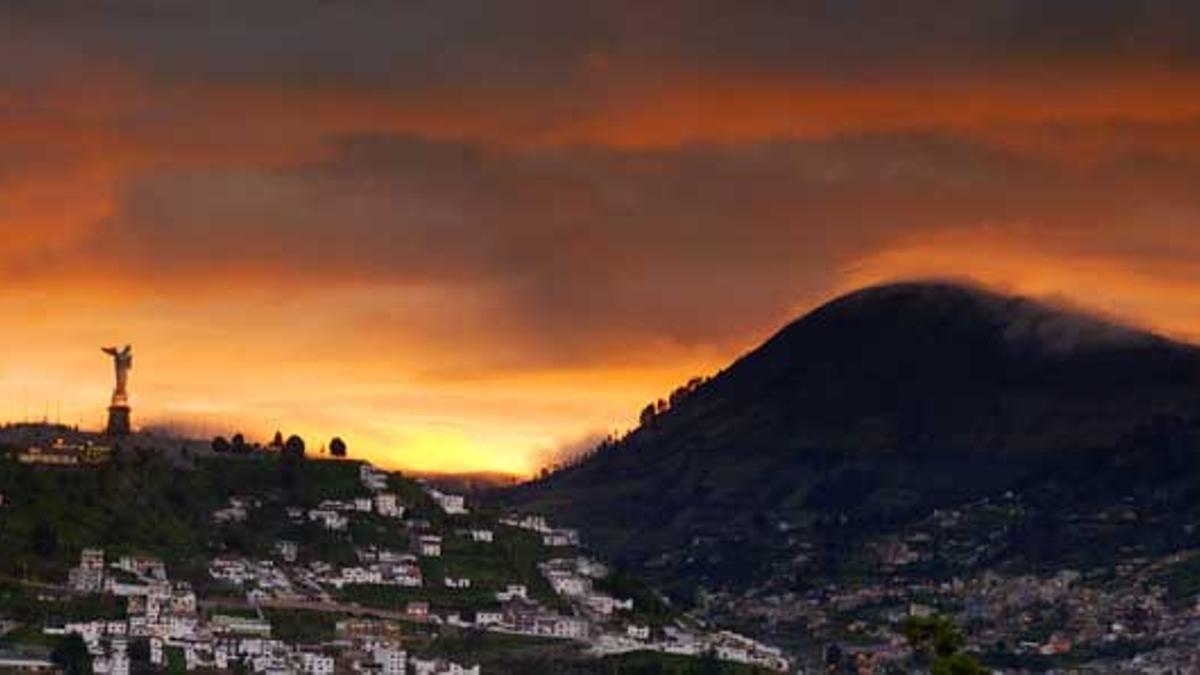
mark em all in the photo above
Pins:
pixel 874 409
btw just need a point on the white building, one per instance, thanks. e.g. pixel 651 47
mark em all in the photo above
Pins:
pixel 142 566
pixel 567 583
pixel 513 592
pixel 330 519
pixel 606 605
pixel 92 559
pixel 390 660
pixel 531 523
pixel 388 504
pixel 359 575
pixel 86 580
pixel 568 627
pixel 316 664
pixel 288 550
pixel 484 618
pixel 374 479
pixel 430 546
pixel 230 514
pixel 559 538
pixel 451 504
pixel 441 667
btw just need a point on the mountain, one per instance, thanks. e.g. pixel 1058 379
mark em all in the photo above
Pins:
pixel 876 411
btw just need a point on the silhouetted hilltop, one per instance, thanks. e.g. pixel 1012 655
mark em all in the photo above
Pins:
pixel 876 408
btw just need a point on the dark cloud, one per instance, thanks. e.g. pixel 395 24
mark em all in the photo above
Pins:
pixel 306 143
pixel 591 252
pixel 530 44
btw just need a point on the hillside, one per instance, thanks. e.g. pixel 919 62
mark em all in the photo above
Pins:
pixel 337 562
pixel 862 418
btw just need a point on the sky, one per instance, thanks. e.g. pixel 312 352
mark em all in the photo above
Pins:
pixel 465 236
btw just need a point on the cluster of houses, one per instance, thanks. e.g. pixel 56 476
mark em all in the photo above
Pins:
pixel 63 452
pixel 263 578
pixel 157 609
pixel 573 578
pixel 166 614
pixel 237 511
pixel 551 536
pixel 378 641
pixel 373 479
pixel 334 514
pixel 378 567
pixel 723 645
pixel 451 504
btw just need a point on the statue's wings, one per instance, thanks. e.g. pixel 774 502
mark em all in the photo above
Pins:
pixel 111 351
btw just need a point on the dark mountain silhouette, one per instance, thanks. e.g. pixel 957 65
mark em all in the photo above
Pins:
pixel 872 411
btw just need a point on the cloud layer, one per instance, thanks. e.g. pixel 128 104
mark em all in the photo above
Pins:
pixel 469 231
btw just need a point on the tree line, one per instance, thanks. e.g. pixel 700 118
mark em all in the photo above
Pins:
pixel 293 445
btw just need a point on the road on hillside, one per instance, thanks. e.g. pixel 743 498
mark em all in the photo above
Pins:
pixel 311 606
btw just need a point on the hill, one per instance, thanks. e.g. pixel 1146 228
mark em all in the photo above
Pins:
pixel 866 417
pixel 335 559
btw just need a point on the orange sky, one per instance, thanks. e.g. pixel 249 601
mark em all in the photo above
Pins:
pixel 466 237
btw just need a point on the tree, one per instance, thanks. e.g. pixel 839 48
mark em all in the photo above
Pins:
pixel 219 444
pixel 72 656
pixel 337 447
pixel 139 652
pixel 238 444
pixel 277 441
pixel 647 416
pixel 290 460
pixel 294 446
pixel 958 664
pixel 933 636
pixel 44 540
pixel 941 642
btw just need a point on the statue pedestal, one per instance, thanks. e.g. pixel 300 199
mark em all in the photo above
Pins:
pixel 118 420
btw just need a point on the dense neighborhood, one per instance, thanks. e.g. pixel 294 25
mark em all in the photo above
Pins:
pixel 386 559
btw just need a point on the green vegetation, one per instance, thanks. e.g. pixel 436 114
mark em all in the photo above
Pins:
pixel 71 655
pixel 1183 581
pixel 30 605
pixel 939 642
pixel 176 663
pixel 29 638
pixel 466 645
pixel 397 598
pixel 144 503
pixel 653 663
pixel 512 559
pixel 530 655
pixel 648 607
pixel 302 627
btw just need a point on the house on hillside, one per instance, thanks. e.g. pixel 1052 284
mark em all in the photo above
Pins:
pixel 430 546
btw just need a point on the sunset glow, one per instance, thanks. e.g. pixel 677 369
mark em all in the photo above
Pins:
pixel 465 237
